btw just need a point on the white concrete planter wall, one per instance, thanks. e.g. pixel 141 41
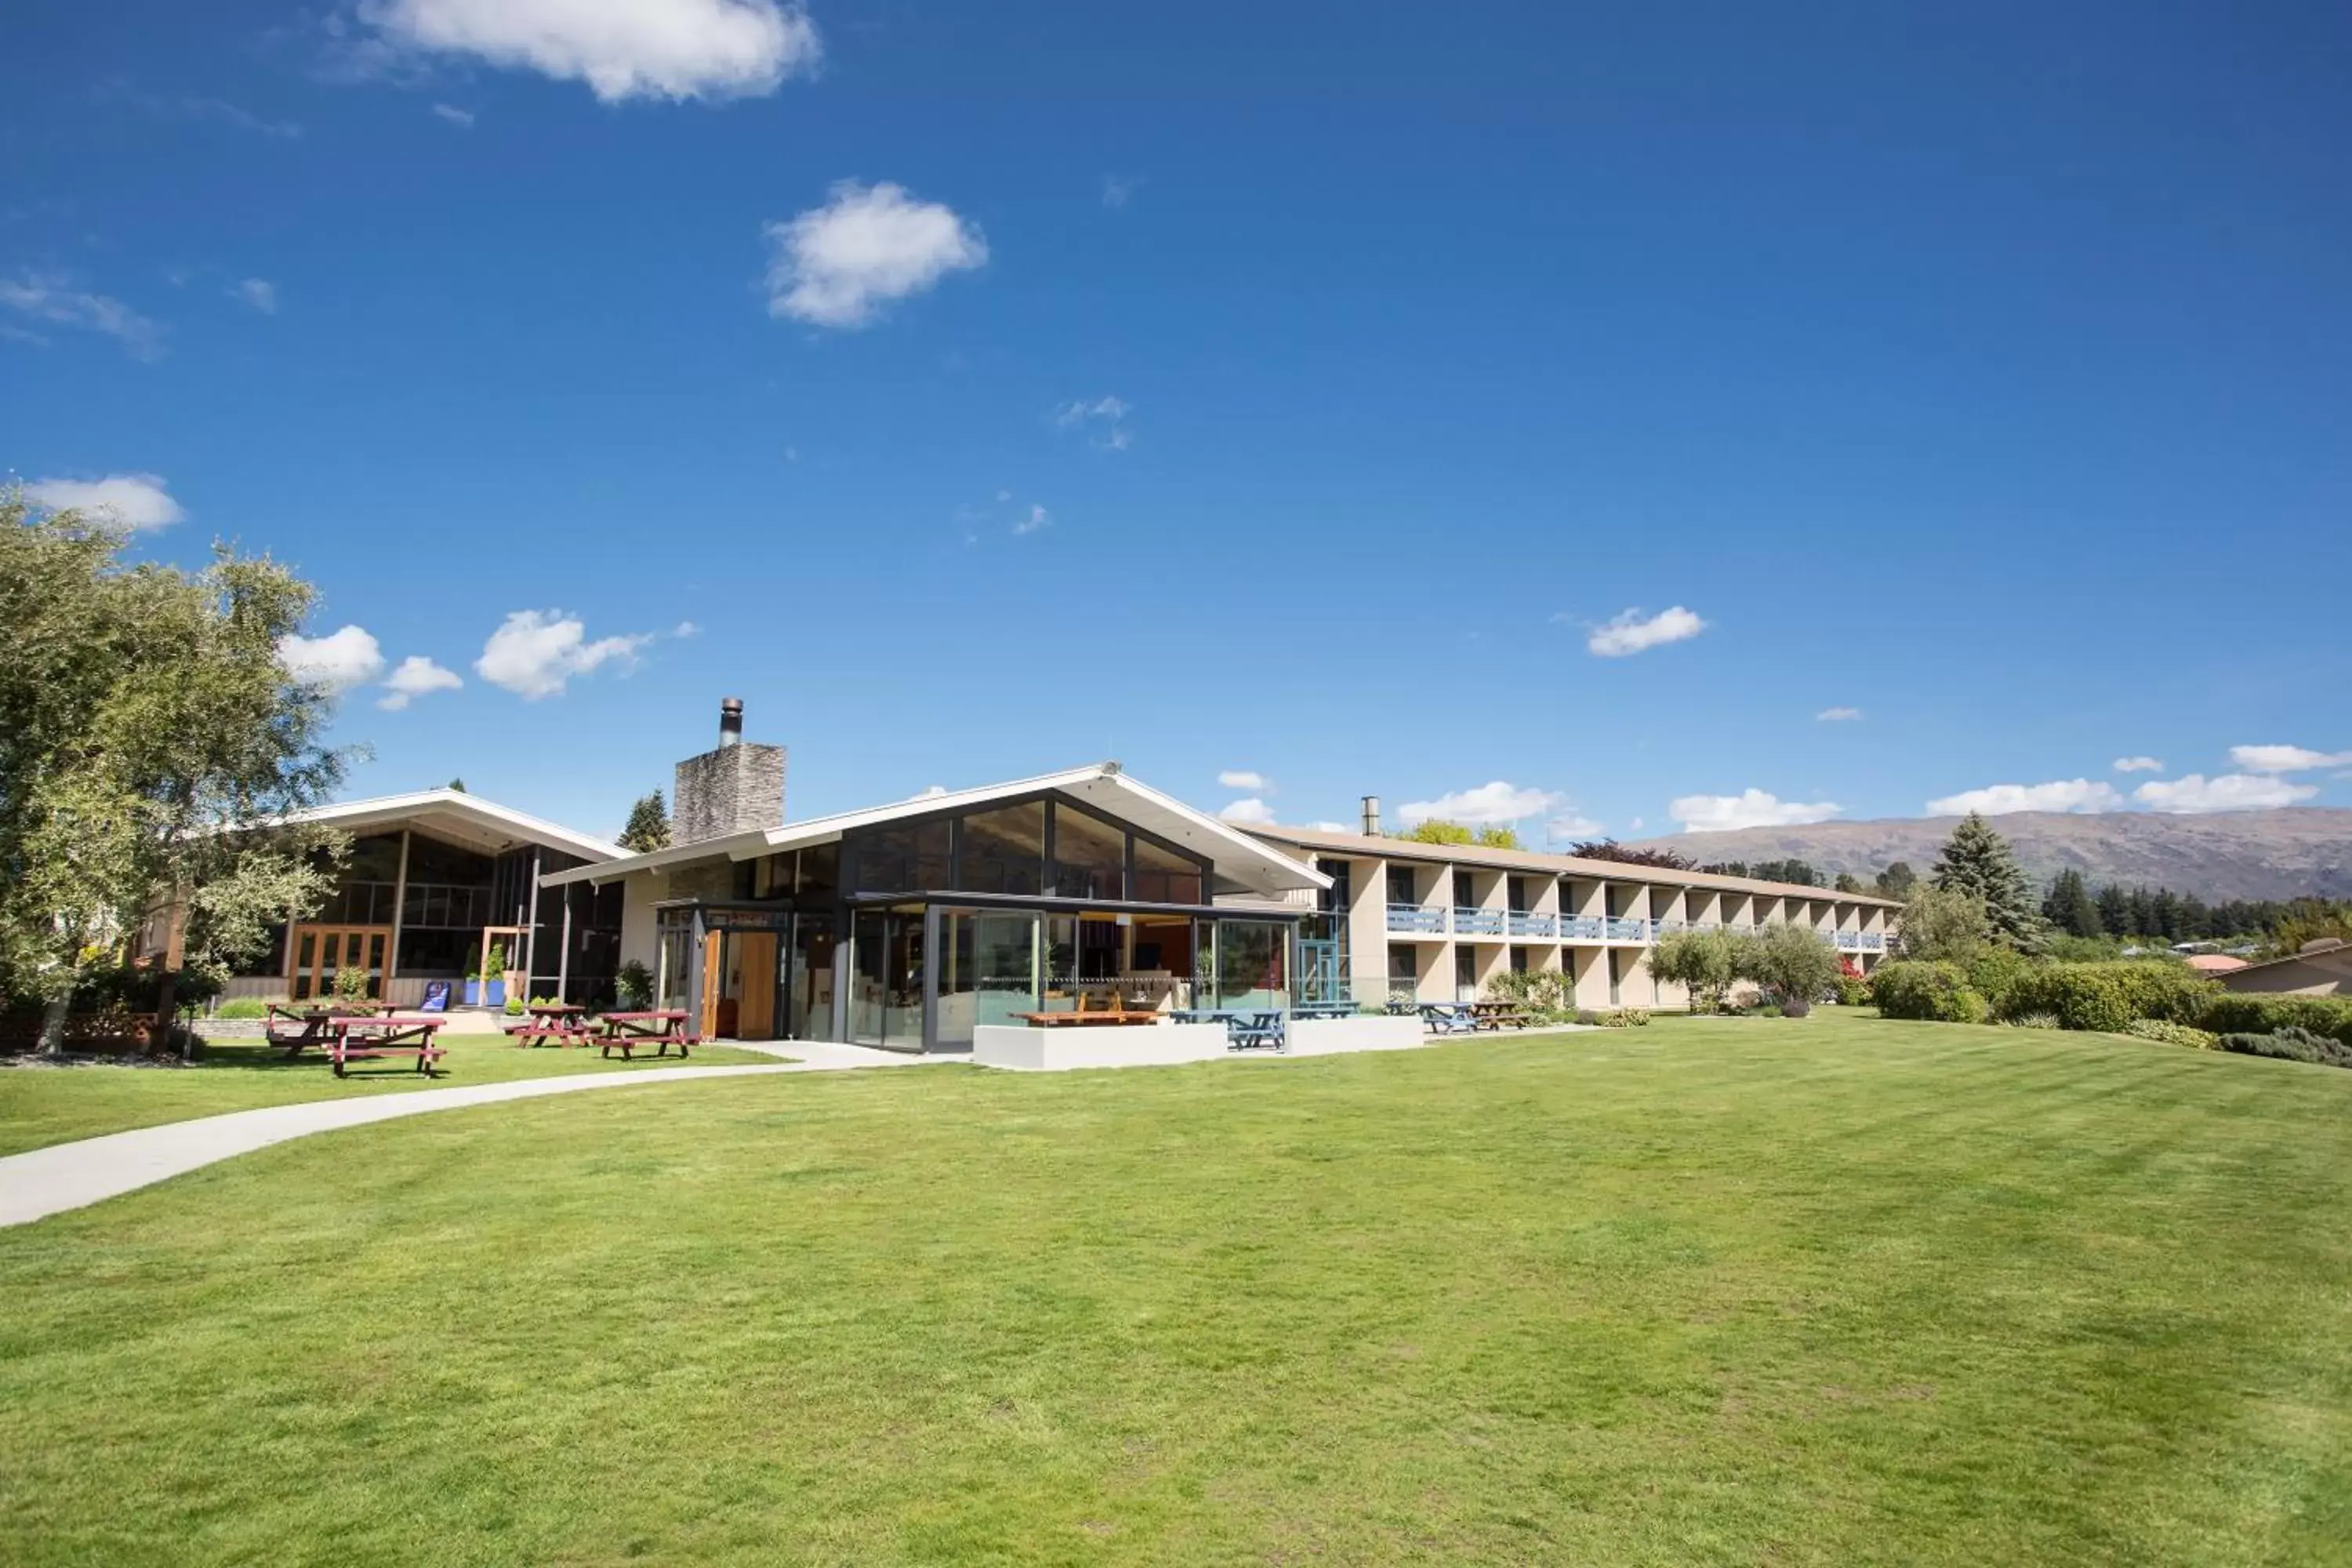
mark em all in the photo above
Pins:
pixel 1098 1045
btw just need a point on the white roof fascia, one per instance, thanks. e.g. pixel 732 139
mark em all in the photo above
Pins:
pixel 521 824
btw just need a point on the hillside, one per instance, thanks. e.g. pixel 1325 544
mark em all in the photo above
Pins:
pixel 2282 854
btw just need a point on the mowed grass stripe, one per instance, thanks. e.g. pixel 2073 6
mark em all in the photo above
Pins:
pixel 1832 1291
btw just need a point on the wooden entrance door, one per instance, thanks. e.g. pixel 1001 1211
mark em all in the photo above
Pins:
pixel 320 952
pixel 714 977
pixel 755 959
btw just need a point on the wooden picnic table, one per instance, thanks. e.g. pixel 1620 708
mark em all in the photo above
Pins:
pixel 358 1039
pixel 1499 1015
pixel 559 1023
pixel 1116 1011
pixel 316 1026
pixel 660 1027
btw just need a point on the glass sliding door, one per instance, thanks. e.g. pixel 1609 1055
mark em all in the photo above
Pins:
pixel 885 978
pixel 988 971
pixel 1253 964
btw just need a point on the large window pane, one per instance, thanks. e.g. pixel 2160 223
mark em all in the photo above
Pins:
pixel 869 958
pixel 1164 877
pixel 988 971
pixel 903 858
pixel 1252 965
pixel 1090 856
pixel 1005 851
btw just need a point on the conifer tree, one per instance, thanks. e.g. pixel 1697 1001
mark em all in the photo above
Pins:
pixel 2070 906
pixel 649 825
pixel 2115 909
pixel 1977 860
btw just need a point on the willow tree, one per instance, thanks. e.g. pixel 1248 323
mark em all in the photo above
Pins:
pixel 150 748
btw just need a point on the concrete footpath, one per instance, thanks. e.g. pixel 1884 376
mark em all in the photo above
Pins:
pixel 43 1181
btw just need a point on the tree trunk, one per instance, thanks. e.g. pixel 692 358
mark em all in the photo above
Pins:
pixel 167 985
pixel 53 1025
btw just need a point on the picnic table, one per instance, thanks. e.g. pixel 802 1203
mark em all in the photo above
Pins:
pixel 1500 1016
pixel 360 1038
pixel 624 1032
pixel 1245 1029
pixel 1114 1011
pixel 295 1026
pixel 1448 1017
pixel 563 1024
pixel 1323 1009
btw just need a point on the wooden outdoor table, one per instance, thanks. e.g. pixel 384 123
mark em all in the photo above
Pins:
pixel 357 1039
pixel 661 1028
pixel 318 1024
pixel 558 1023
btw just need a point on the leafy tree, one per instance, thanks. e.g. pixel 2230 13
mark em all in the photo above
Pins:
pixel 1847 882
pixel 458 784
pixel 1610 850
pixel 1792 964
pixel 1437 830
pixel 1897 880
pixel 2070 908
pixel 1977 860
pixel 649 825
pixel 1941 927
pixel 1704 962
pixel 145 727
pixel 1800 872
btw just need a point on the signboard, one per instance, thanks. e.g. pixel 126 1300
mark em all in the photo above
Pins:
pixel 745 920
pixel 436 996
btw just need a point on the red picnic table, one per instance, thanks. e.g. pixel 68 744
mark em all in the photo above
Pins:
pixel 357 1039
pixel 627 1031
pixel 562 1024
pixel 295 1026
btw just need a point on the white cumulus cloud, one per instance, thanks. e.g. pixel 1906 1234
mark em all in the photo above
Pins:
pixel 132 500
pixel 1249 813
pixel 461 117
pixel 837 265
pixel 2285 759
pixel 535 653
pixel 1837 716
pixel 1632 632
pixel 1749 808
pixel 257 292
pixel 621 49
pixel 414 677
pixel 2195 794
pixel 1243 778
pixel 1487 805
pixel 2139 764
pixel 337 661
pixel 1571 825
pixel 2059 794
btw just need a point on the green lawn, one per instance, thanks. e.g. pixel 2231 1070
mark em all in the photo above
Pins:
pixel 1716 1291
pixel 40 1106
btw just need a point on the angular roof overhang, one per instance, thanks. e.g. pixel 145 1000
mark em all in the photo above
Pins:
pixel 455 817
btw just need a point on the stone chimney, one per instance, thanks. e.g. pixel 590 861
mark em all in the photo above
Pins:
pixel 732 788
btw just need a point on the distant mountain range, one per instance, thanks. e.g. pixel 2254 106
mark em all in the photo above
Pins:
pixel 2292 852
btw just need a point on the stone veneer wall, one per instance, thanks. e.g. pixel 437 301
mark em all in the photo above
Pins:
pixel 729 790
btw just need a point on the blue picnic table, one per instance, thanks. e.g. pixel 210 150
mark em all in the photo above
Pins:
pixel 1245 1029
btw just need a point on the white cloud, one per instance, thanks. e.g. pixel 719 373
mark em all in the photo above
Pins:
pixel 1837 716
pixel 535 652
pixel 1243 778
pixel 621 49
pixel 2194 794
pixel 1038 518
pixel 2139 765
pixel 1749 808
pixel 837 265
pixel 414 677
pixel 1250 813
pixel 131 501
pixel 2059 794
pixel 52 300
pixel 687 629
pixel 337 661
pixel 2285 759
pixel 454 115
pixel 1570 824
pixel 1071 414
pixel 1487 805
pixel 1629 633
pixel 1116 191
pixel 257 292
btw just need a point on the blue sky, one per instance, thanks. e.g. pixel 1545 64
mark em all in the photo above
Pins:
pixel 1301 391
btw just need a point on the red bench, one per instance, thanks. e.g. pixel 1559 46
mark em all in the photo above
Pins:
pixel 627 1031
pixel 359 1039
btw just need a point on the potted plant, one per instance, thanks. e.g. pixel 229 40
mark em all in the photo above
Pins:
pixel 635 985
pixel 494 976
pixel 473 985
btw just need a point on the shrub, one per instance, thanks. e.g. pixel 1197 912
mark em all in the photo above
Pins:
pixel 1613 1019
pixel 514 1007
pixel 1994 974
pixel 2035 1021
pixel 1766 1010
pixel 1794 963
pixel 1637 1017
pixel 1704 962
pixel 2291 1043
pixel 243 1008
pixel 1852 991
pixel 2229 1012
pixel 2169 1034
pixel 2080 996
pixel 634 987
pixel 1936 992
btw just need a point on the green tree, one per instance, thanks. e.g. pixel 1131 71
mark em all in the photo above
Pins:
pixel 1941 927
pixel 1703 961
pixel 649 825
pixel 146 727
pixel 2115 909
pixel 1437 830
pixel 1979 861
pixel 2070 908
pixel 1792 963
pixel 1897 880
pixel 458 784
pixel 1847 882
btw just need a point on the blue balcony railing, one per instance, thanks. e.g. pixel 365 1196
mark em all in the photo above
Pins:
pixel 1873 941
pixel 1416 916
pixel 1478 922
pixel 1522 923
pixel 1667 927
pixel 1850 940
pixel 1580 928
pixel 1624 929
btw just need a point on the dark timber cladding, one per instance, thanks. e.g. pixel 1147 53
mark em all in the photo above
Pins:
pixel 912 931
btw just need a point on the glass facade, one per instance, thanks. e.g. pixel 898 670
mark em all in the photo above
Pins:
pixel 1005 851
pixel 1089 858
pixel 988 971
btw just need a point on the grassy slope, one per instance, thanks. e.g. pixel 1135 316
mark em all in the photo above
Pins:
pixel 39 1106
pixel 1715 1291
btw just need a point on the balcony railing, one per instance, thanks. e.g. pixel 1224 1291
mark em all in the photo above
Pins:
pixel 1850 940
pixel 1522 923
pixel 1416 916
pixel 1580 928
pixel 1626 928
pixel 1873 941
pixel 1478 922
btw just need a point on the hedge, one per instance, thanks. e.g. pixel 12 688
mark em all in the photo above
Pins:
pixel 2238 1013
pixel 1936 992
pixel 2293 1044
pixel 2106 997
